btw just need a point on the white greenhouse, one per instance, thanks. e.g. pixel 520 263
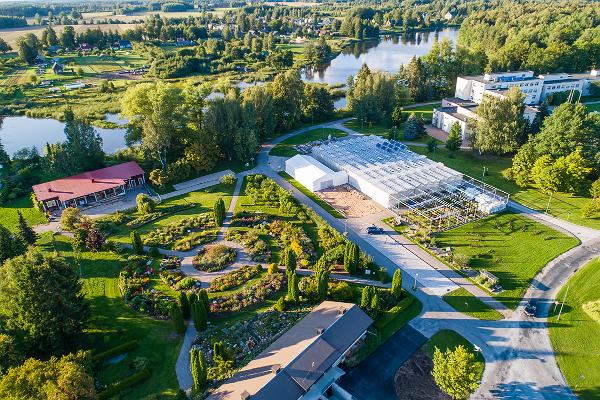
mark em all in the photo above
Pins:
pixel 312 174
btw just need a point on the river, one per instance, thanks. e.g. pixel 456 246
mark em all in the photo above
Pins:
pixel 385 54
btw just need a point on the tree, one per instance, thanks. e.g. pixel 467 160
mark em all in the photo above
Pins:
pixel 4 47
pixel 293 292
pixel 94 240
pixel 591 209
pixel 375 301
pixel 411 128
pixel 595 189
pixel 454 137
pixel 198 369
pixel 317 103
pixel 259 100
pixel 396 289
pixel 289 261
pixel 177 317
pixel 365 300
pixel 322 277
pixel 219 212
pixel 351 258
pixel 24 231
pixel 158 177
pixel 27 47
pixel 145 204
pixel 431 145
pixel 203 297
pixel 62 378
pixel 10 245
pixel 199 315
pixel 499 125
pixel 10 353
pixel 416 79
pixel 49 37
pixel 454 372
pixel 371 96
pixel 4 157
pixel 41 298
pixel 287 90
pixel 522 164
pixel 184 303
pixel 67 37
pixel 136 243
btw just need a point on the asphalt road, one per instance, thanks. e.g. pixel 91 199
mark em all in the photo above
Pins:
pixel 373 379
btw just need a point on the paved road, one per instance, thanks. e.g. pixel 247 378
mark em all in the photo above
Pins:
pixel 382 365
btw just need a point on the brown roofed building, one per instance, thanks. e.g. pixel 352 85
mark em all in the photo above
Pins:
pixel 89 187
pixel 303 362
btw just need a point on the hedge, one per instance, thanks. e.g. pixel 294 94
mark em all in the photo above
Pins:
pixel 124 384
pixel 389 315
pixel 115 351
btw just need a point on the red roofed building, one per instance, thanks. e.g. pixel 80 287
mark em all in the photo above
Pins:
pixel 89 187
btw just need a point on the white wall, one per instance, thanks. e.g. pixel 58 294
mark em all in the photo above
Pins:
pixel 463 88
pixel 367 188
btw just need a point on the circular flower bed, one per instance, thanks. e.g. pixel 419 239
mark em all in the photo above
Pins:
pixel 214 258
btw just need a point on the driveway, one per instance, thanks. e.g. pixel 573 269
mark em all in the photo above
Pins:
pixel 373 379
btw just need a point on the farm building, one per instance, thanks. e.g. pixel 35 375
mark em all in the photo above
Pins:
pixel 89 187
pixel 312 174
pixel 406 182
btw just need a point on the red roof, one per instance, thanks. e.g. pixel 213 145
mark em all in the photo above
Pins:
pixel 88 182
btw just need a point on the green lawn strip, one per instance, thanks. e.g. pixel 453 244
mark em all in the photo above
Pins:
pixel 372 342
pixel 366 128
pixel 576 337
pixel 593 107
pixel 463 301
pixel 425 111
pixel 562 205
pixel 326 206
pixel 449 339
pixel 9 216
pixel 205 200
pixel 113 323
pixel 510 246
pixel 286 147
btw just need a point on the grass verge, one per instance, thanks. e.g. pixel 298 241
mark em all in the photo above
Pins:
pixel 463 301
pixel 576 337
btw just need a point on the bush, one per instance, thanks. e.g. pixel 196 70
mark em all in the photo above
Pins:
pixel 273 268
pixel 228 179
pixel 595 189
pixel 145 204
pixel 214 258
pixel 118 387
pixel 235 278
pixel 341 291
pixel 388 316
pixel 115 351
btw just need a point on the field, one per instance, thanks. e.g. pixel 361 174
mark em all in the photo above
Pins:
pixel 498 244
pixel 113 323
pixel 466 303
pixel 204 199
pixel 562 205
pixel 286 148
pixel 576 337
pixel 9 217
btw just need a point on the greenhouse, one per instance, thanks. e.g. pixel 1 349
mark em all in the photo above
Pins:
pixel 312 174
pixel 409 183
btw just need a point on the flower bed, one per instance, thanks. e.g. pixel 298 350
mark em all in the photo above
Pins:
pixel 293 236
pixel 195 239
pixel 235 278
pixel 166 235
pixel 147 218
pixel 258 292
pixel 214 258
pixel 170 262
pixel 257 249
pixel 249 219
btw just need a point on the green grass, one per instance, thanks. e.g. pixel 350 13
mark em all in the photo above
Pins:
pixel 286 147
pixel 113 323
pixel 425 111
pixel 326 206
pixel 576 337
pixel 9 216
pixel 463 301
pixel 366 128
pixel 593 107
pixel 205 200
pixel 562 205
pixel 510 246
pixel 449 339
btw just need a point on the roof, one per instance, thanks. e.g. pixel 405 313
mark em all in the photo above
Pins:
pixel 309 166
pixel 90 182
pixel 302 354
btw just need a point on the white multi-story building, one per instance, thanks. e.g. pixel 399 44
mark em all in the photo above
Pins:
pixel 470 91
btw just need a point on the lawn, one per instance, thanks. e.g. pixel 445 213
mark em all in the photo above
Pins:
pixel 593 107
pixel 562 205
pixel 286 147
pixel 366 128
pixel 114 323
pixel 448 339
pixel 204 199
pixel 326 206
pixel 510 246
pixel 576 337
pixel 463 301
pixel 9 216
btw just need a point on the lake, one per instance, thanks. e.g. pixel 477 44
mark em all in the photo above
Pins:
pixel 19 132
pixel 385 54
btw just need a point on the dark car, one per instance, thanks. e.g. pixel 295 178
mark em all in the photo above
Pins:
pixel 530 309
pixel 374 230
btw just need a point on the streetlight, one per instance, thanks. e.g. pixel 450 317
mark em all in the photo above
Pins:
pixel 415 284
pixel 484 171
pixel 563 302
pixel 581 377
pixel 548 205
pixel 477 350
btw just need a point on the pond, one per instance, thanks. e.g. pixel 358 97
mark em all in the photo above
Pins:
pixel 385 54
pixel 19 132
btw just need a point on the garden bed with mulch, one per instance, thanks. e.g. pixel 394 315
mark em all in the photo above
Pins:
pixel 414 381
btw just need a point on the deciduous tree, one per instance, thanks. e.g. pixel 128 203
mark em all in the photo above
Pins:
pixel 454 372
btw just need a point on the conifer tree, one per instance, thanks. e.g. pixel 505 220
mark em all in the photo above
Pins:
pixel 177 317
pixel 136 243
pixel 24 231
pixel 185 305
pixel 397 284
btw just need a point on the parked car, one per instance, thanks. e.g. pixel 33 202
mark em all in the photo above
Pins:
pixel 530 309
pixel 374 230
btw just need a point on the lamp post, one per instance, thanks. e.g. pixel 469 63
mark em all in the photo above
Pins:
pixel 563 302
pixel 415 284
pixel 548 205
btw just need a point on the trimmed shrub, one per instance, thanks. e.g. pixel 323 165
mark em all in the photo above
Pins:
pixel 115 351
pixel 125 383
